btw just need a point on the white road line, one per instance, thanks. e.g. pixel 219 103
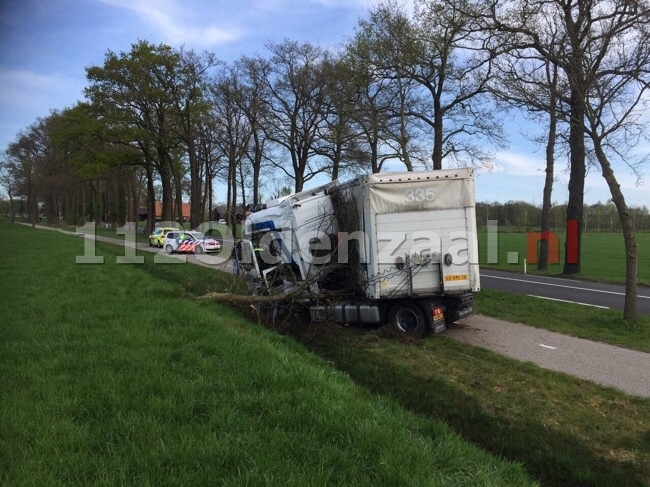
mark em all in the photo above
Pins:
pixel 567 301
pixel 538 277
pixel 547 346
pixel 559 285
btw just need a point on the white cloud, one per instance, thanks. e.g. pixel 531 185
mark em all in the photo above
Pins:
pixel 26 95
pixel 179 23
pixel 352 4
pixel 515 164
pixel 36 91
pixel 626 179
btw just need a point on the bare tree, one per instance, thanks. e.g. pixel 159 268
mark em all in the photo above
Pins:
pixel 186 90
pixel 8 182
pixel 295 106
pixel 336 133
pixel 22 164
pixel 250 73
pixel 232 131
pixel 619 62
pixel 372 95
pixel 443 51
pixel 527 82
pixel 601 47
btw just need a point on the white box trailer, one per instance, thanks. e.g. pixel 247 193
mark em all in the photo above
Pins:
pixel 388 247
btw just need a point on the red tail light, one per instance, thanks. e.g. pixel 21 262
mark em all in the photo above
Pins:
pixel 438 313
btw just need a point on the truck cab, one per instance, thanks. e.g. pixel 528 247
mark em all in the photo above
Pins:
pixel 389 247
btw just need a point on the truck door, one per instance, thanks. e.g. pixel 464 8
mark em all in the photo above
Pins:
pixel 407 256
pixel 455 259
pixel 248 265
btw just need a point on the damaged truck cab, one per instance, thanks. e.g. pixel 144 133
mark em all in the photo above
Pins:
pixel 398 248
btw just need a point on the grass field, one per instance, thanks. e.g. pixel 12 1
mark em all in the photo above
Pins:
pixel 116 375
pixel 566 431
pixel 602 255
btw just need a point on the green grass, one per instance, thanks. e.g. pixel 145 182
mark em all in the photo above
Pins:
pixel 568 432
pixel 116 375
pixel 603 325
pixel 602 255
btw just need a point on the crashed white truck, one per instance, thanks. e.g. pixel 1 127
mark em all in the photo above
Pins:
pixel 397 248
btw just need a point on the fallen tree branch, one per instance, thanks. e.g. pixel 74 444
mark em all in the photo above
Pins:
pixel 247 298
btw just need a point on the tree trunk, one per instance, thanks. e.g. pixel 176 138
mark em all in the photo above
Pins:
pixel 151 201
pixel 166 171
pixel 299 181
pixel 232 210
pixel 11 206
pixel 206 199
pixel 576 182
pixel 84 205
pixel 336 159
pixel 542 263
pixel 375 167
pixel 208 188
pixel 179 197
pixel 242 183
pixel 115 201
pixel 403 132
pixel 629 236
pixel 258 158
pixel 135 194
pixel 166 185
pixel 231 169
pixel 195 186
pixel 436 156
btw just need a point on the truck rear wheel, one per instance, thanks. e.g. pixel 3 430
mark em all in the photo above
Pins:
pixel 408 317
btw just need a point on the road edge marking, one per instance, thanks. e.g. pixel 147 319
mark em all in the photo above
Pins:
pixel 567 301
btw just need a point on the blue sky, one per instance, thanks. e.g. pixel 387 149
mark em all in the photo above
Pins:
pixel 45 46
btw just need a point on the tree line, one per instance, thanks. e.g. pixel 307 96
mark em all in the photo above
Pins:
pixel 526 217
pixel 428 88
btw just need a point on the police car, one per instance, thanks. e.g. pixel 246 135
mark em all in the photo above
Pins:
pixel 183 242
pixel 209 244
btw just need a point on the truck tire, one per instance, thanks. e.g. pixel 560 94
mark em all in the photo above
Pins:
pixel 408 317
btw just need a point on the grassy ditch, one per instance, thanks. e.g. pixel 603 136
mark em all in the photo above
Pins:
pixel 565 430
pixel 115 374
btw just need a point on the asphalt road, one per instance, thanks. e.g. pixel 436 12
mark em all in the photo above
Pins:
pixel 213 261
pixel 608 365
pixel 575 291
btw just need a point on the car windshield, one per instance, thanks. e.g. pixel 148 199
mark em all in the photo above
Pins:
pixel 157 231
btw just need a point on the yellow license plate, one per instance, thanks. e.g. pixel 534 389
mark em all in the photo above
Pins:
pixel 456 277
